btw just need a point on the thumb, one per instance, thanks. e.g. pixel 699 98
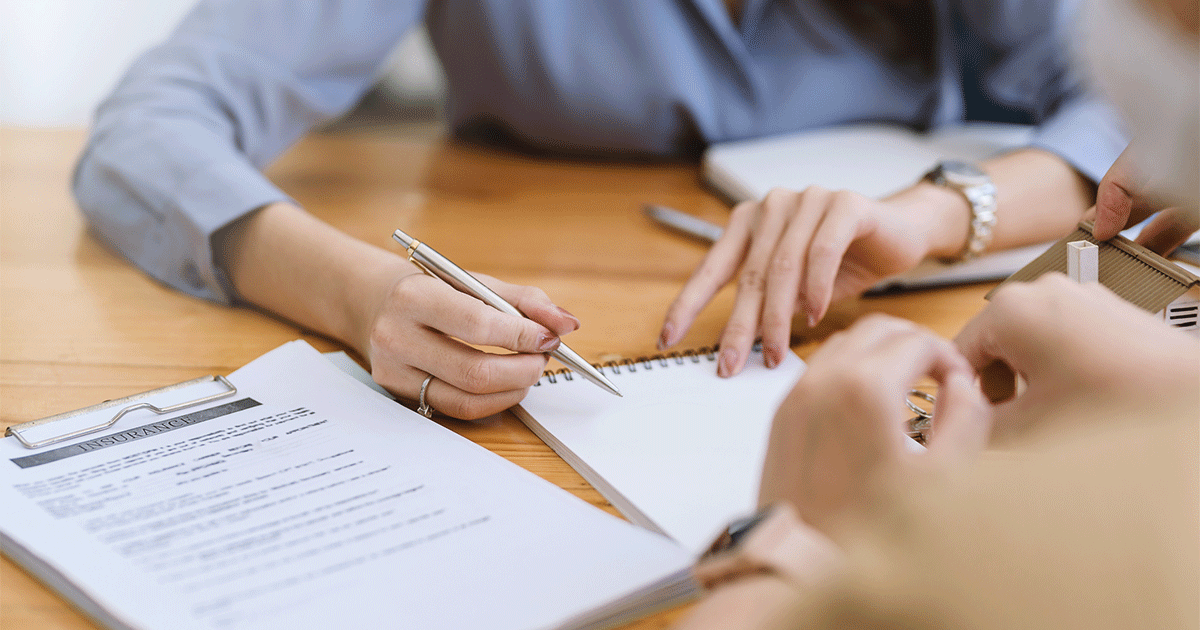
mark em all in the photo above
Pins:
pixel 1118 202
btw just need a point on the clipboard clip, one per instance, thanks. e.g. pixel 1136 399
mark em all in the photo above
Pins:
pixel 17 429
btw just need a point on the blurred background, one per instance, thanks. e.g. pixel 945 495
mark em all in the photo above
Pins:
pixel 58 58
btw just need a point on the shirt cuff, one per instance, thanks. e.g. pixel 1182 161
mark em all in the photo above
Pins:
pixel 1087 133
pixel 210 200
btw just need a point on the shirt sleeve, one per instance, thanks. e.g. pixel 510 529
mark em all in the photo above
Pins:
pixel 175 151
pixel 1035 69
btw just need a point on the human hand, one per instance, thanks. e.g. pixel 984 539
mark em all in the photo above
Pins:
pixel 1084 354
pixel 1121 202
pixel 752 578
pixel 422 327
pixel 842 425
pixel 406 324
pixel 792 252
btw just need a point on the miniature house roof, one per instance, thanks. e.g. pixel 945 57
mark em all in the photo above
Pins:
pixel 1131 271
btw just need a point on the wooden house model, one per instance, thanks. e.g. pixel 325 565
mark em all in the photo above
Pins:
pixel 1133 272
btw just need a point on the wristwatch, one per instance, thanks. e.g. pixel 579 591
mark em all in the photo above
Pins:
pixel 980 192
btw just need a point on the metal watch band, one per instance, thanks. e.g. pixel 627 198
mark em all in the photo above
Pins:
pixel 983 218
pixel 980 193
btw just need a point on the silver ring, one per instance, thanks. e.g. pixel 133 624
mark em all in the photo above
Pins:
pixel 916 409
pixel 424 409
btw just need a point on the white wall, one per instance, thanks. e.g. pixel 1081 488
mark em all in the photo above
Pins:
pixel 58 58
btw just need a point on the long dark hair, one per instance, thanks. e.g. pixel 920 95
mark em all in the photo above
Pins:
pixel 904 31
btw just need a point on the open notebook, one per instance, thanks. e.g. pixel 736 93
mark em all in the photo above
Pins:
pixel 681 452
pixel 304 499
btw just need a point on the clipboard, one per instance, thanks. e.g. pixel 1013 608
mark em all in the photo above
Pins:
pixel 127 405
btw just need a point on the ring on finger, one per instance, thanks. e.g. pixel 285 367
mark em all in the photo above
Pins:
pixel 423 408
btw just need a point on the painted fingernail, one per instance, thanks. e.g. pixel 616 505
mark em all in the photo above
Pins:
pixel 567 314
pixel 812 319
pixel 771 357
pixel 728 363
pixel 666 337
pixel 548 342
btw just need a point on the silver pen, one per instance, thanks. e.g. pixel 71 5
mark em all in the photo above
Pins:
pixel 683 222
pixel 437 265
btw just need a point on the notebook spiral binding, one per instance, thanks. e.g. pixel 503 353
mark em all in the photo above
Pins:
pixel 647 363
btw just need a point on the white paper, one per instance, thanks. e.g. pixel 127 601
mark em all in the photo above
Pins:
pixel 683 446
pixel 318 504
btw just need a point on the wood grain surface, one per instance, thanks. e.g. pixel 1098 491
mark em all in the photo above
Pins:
pixel 79 324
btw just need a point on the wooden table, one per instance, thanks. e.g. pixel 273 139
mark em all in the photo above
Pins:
pixel 80 325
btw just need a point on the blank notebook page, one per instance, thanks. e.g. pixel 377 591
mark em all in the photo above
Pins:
pixel 681 452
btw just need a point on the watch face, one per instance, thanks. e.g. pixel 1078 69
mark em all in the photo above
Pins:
pixel 963 173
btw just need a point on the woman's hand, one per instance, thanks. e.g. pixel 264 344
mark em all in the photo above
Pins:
pixel 422 327
pixel 798 252
pixel 408 325
pixel 843 423
pixel 1083 353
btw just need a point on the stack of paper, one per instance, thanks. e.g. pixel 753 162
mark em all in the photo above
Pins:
pixel 307 500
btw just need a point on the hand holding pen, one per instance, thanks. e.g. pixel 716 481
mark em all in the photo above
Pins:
pixel 478 310
pixel 418 327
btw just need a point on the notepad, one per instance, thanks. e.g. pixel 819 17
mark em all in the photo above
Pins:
pixel 307 500
pixel 681 452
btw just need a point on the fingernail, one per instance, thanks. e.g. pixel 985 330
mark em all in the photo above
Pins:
pixel 666 337
pixel 568 314
pixel 813 318
pixel 727 363
pixel 548 342
pixel 771 357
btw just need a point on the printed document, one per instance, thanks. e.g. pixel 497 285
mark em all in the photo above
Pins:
pixel 307 500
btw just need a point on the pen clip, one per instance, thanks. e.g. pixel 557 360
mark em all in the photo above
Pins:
pixel 411 250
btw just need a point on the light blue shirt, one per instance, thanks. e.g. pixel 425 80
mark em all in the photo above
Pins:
pixel 176 151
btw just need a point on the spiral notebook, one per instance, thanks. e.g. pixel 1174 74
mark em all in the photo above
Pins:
pixel 681 452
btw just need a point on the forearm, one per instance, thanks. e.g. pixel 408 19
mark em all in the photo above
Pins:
pixel 175 150
pixel 288 262
pixel 1039 198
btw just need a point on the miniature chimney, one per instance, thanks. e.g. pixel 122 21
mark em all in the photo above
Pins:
pixel 1083 261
